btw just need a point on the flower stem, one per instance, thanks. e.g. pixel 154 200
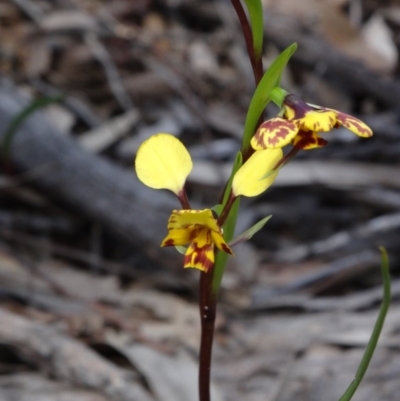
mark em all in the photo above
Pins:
pixel 182 196
pixel 227 208
pixel 256 61
pixel 208 305
pixel 286 159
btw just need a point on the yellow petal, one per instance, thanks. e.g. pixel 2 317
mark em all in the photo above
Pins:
pixel 248 180
pixel 318 120
pixel 180 236
pixel 354 125
pixel 162 162
pixel 274 133
pixel 200 254
pixel 186 218
pixel 220 243
pixel 308 140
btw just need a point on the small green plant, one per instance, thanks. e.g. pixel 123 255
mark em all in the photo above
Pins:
pixel 20 118
pixel 206 237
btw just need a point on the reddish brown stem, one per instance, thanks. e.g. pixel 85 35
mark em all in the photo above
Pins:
pixel 182 196
pixel 286 159
pixel 256 60
pixel 208 306
pixel 225 212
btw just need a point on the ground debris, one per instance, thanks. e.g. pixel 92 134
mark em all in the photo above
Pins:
pixel 91 309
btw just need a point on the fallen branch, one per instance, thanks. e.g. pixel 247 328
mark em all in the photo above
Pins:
pixel 93 186
pixel 351 74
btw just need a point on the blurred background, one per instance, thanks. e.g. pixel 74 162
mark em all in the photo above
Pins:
pixel 91 308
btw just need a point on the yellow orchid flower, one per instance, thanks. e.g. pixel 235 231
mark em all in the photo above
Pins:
pixel 162 162
pixel 201 230
pixel 300 125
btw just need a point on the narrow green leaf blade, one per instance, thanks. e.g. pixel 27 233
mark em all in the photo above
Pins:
pixel 246 235
pixel 261 96
pixel 369 351
pixel 255 10
pixel 229 227
pixel 236 166
pixel 221 257
pixel 217 209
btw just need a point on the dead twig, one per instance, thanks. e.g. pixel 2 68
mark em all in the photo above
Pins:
pixel 69 253
pixel 31 9
pixel 377 225
pixel 111 70
pixel 106 312
pixel 68 359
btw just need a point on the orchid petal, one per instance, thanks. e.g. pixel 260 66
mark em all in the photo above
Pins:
pixel 274 133
pixel 179 236
pixel 200 254
pixel 186 218
pixel 354 125
pixel 318 120
pixel 220 243
pixel 162 162
pixel 306 140
pixel 249 181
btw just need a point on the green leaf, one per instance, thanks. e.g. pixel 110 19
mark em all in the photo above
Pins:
pixel 181 249
pixel 236 166
pixel 256 15
pixel 221 257
pixel 261 96
pixel 229 227
pixel 369 351
pixel 217 209
pixel 277 95
pixel 245 236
